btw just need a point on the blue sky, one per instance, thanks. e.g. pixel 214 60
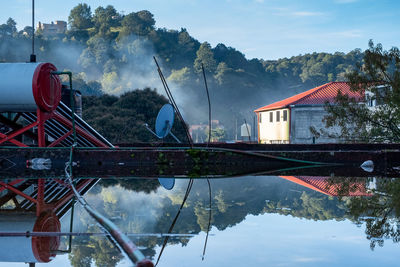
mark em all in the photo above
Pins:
pixel 268 29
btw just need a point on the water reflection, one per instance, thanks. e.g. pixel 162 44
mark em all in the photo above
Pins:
pixel 249 215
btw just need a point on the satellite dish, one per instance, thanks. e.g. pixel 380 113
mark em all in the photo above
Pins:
pixel 165 120
pixel 167 183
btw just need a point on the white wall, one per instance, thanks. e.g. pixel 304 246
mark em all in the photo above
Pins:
pixel 274 131
pixel 303 117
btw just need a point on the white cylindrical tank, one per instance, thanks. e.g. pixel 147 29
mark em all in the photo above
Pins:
pixel 24 87
pixel 28 249
pixel 245 130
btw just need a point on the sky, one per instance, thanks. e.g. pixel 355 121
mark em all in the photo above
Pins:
pixel 268 29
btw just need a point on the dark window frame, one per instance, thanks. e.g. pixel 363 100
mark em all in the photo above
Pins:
pixel 285 115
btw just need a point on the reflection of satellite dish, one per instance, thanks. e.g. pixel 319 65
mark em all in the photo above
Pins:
pixel 165 120
pixel 167 183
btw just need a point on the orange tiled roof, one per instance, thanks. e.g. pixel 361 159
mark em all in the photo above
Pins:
pixel 322 185
pixel 316 96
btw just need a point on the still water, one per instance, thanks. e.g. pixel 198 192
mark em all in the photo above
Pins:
pixel 255 221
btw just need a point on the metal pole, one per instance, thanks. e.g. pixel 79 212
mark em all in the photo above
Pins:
pixel 33 56
pixel 209 106
pixel 254 128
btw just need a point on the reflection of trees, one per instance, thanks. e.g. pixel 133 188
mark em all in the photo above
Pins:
pixel 379 212
pixel 137 185
pixel 233 200
pixel 81 254
pixel 99 249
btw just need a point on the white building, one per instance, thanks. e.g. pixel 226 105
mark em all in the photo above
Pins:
pixel 290 120
pixel 59 26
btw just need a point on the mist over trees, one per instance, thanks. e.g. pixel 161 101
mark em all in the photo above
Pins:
pixel 112 53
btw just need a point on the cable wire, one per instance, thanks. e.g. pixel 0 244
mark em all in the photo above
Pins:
pixel 173 103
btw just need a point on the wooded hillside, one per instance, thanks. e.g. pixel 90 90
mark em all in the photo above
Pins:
pixel 112 53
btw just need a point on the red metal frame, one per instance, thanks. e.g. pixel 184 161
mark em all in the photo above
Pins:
pixel 42 117
pixel 12 183
pixel 13 134
pixel 15 142
pixel 16 191
pixel 62 138
pixel 79 130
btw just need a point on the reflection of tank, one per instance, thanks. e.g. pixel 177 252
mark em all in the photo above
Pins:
pixel 29 249
pixel 28 86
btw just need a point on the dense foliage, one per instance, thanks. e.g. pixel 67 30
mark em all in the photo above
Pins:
pixel 122 119
pixel 377 119
pixel 112 53
pixel 232 202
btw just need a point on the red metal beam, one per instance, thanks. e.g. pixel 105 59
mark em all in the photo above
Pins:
pixel 12 183
pixel 18 192
pixel 15 142
pixel 62 138
pixel 42 117
pixel 79 130
pixel 18 132
pixel 40 196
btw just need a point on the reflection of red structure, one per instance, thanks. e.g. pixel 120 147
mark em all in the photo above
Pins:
pixel 31 98
pixel 39 89
pixel 44 247
pixel 330 187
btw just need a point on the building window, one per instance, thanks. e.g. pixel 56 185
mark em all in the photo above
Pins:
pixel 285 115
pixel 259 117
pixel 278 116
pixel 271 117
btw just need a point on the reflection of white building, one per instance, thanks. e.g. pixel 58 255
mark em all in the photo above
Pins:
pixel 290 120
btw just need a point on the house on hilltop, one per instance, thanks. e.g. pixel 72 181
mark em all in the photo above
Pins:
pixel 53 28
pixel 289 120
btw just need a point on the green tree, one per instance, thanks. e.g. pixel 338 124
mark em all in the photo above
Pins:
pixel 180 76
pixel 12 25
pixel 80 17
pixel 9 29
pixel 205 56
pixel 104 19
pixel 137 23
pixel 221 73
pixel 377 119
pixel 217 134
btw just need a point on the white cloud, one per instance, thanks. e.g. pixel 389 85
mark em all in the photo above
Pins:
pixel 345 1
pixel 309 259
pixel 287 12
pixel 306 14
pixel 348 34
